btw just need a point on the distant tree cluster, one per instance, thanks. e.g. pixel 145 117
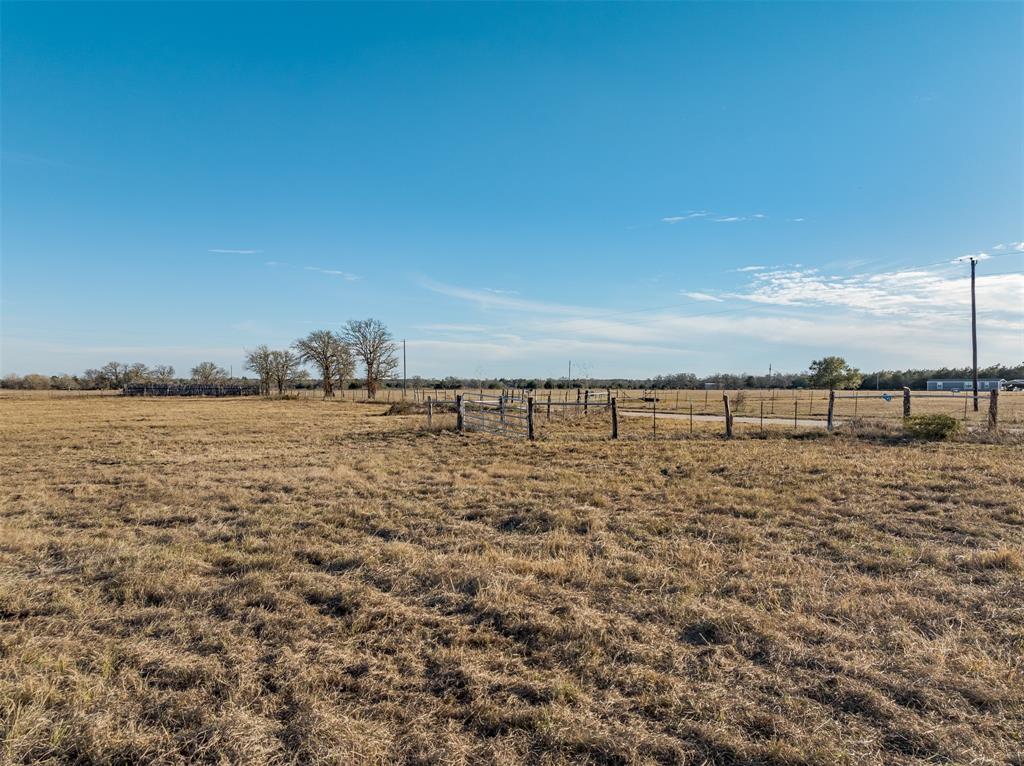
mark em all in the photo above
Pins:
pixel 334 356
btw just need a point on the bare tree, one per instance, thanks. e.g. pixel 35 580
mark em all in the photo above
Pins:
pixel 326 351
pixel 112 375
pixel 283 366
pixel 162 373
pixel 138 373
pixel 373 345
pixel 259 360
pixel 209 372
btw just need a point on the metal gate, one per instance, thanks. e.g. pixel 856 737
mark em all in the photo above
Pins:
pixel 507 415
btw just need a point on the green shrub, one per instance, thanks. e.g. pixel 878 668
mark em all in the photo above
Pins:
pixel 932 427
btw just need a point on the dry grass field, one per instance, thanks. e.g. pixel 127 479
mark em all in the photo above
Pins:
pixel 299 582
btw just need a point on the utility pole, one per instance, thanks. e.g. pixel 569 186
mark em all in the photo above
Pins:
pixel 974 334
pixel 405 376
pixel 569 384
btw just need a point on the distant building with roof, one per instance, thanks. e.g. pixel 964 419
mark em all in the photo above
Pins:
pixel 965 384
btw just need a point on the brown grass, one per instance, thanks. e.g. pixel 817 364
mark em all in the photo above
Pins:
pixel 256 582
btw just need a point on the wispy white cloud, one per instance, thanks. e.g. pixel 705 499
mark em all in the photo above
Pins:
pixel 923 293
pixel 703 297
pixel 800 309
pixel 231 251
pixel 501 292
pixel 347 276
pixel 750 268
pixel 687 216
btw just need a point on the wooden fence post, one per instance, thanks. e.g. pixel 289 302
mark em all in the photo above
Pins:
pixel 529 417
pixel 728 416
pixel 586 401
pixel 831 407
pixel 906 402
pixel 549 405
pixel 795 405
pixel 993 410
pixel 762 416
pixel 691 417
pixel 501 410
pixel 430 411
pixel 654 420
pixel 615 419
pixel 460 408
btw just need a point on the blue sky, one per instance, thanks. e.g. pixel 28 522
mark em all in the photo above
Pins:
pixel 641 188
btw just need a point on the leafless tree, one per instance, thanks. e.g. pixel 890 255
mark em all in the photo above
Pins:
pixel 138 373
pixel 259 360
pixel 373 346
pixel 209 372
pixel 326 351
pixel 162 373
pixel 112 375
pixel 283 366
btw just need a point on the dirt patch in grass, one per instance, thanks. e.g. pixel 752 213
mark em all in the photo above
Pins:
pixel 269 582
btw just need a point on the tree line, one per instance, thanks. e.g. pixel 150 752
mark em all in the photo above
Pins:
pixel 335 356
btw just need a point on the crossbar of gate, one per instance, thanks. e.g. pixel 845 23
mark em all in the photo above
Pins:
pixel 503 415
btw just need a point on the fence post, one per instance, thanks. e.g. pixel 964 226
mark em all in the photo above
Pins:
pixel 654 420
pixel 501 409
pixel 615 419
pixel 794 413
pixel 529 417
pixel 460 408
pixel 728 416
pixel 762 416
pixel 549 405
pixel 430 411
pixel 691 417
pixel 993 409
pixel 906 402
pixel 831 407
pixel 586 401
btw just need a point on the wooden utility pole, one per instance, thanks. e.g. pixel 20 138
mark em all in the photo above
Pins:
pixel 974 335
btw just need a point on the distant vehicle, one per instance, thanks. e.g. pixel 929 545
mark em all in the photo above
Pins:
pixel 1014 385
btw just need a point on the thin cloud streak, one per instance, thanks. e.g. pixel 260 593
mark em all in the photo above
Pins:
pixel 703 297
